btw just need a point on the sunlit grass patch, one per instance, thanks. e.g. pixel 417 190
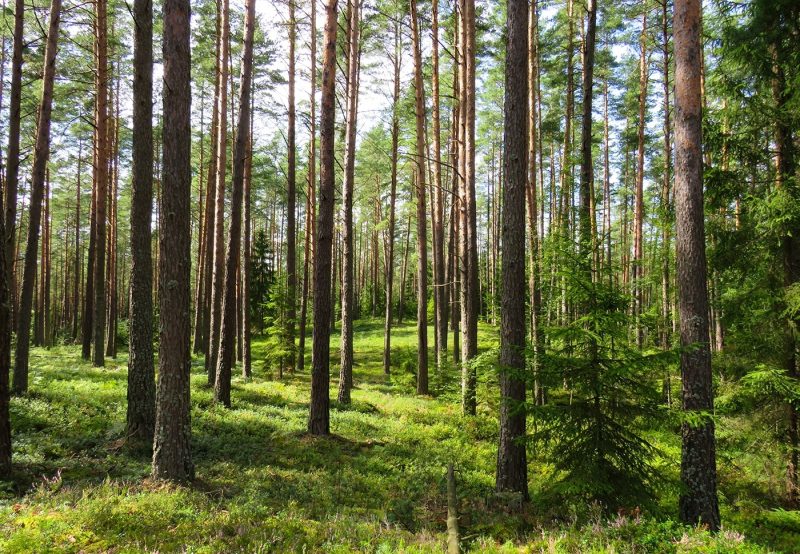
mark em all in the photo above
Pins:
pixel 264 485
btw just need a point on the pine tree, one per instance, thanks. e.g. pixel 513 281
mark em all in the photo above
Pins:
pixel 141 373
pixel 13 152
pixel 222 383
pixel 698 501
pixel 422 224
pixel 41 155
pixel 319 413
pixel 101 183
pixel 348 307
pixel 512 470
pixel 172 459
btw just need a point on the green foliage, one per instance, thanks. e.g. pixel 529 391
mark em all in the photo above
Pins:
pixel 276 348
pixel 377 486
pixel 778 527
pixel 262 278
pixel 772 384
pixel 605 394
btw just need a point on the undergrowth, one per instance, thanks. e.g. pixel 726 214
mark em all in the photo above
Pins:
pixel 377 485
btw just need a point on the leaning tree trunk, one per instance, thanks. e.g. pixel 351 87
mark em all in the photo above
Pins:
pixel 141 374
pixel 222 383
pixel 319 410
pixel 41 153
pixel 172 459
pixel 698 500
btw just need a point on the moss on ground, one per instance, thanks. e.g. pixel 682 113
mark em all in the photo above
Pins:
pixel 377 485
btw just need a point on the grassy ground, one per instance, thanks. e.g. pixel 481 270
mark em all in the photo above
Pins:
pixel 263 485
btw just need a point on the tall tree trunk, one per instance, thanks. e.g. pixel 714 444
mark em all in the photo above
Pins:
pixel 566 163
pixel 454 272
pixel 141 375
pixel 111 331
pixel 218 274
pixel 13 154
pixel 607 184
pixel 785 156
pixel 3 56
pixel 666 325
pixel 698 500
pixel 638 237
pixel 376 255
pixel 512 466
pixel 346 351
pixel 401 305
pixel 422 224
pixel 336 271
pixel 291 209
pixel 246 251
pixel 319 412
pixel 395 132
pixel 202 336
pixel 534 283
pixel 455 290
pixel 587 167
pixel 440 290
pixel 39 312
pixel 625 247
pixel 5 352
pixel 101 182
pixel 46 265
pixel 77 268
pixel 202 198
pixel 41 153
pixel 222 383
pixel 172 459
pixel 88 296
pixel 310 241
pixel 470 301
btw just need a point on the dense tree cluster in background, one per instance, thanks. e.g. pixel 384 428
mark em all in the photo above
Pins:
pixel 611 187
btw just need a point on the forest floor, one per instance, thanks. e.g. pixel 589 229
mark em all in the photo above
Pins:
pixel 377 485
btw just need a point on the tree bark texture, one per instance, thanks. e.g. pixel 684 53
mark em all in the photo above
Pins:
pixel 698 501
pixel 172 459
